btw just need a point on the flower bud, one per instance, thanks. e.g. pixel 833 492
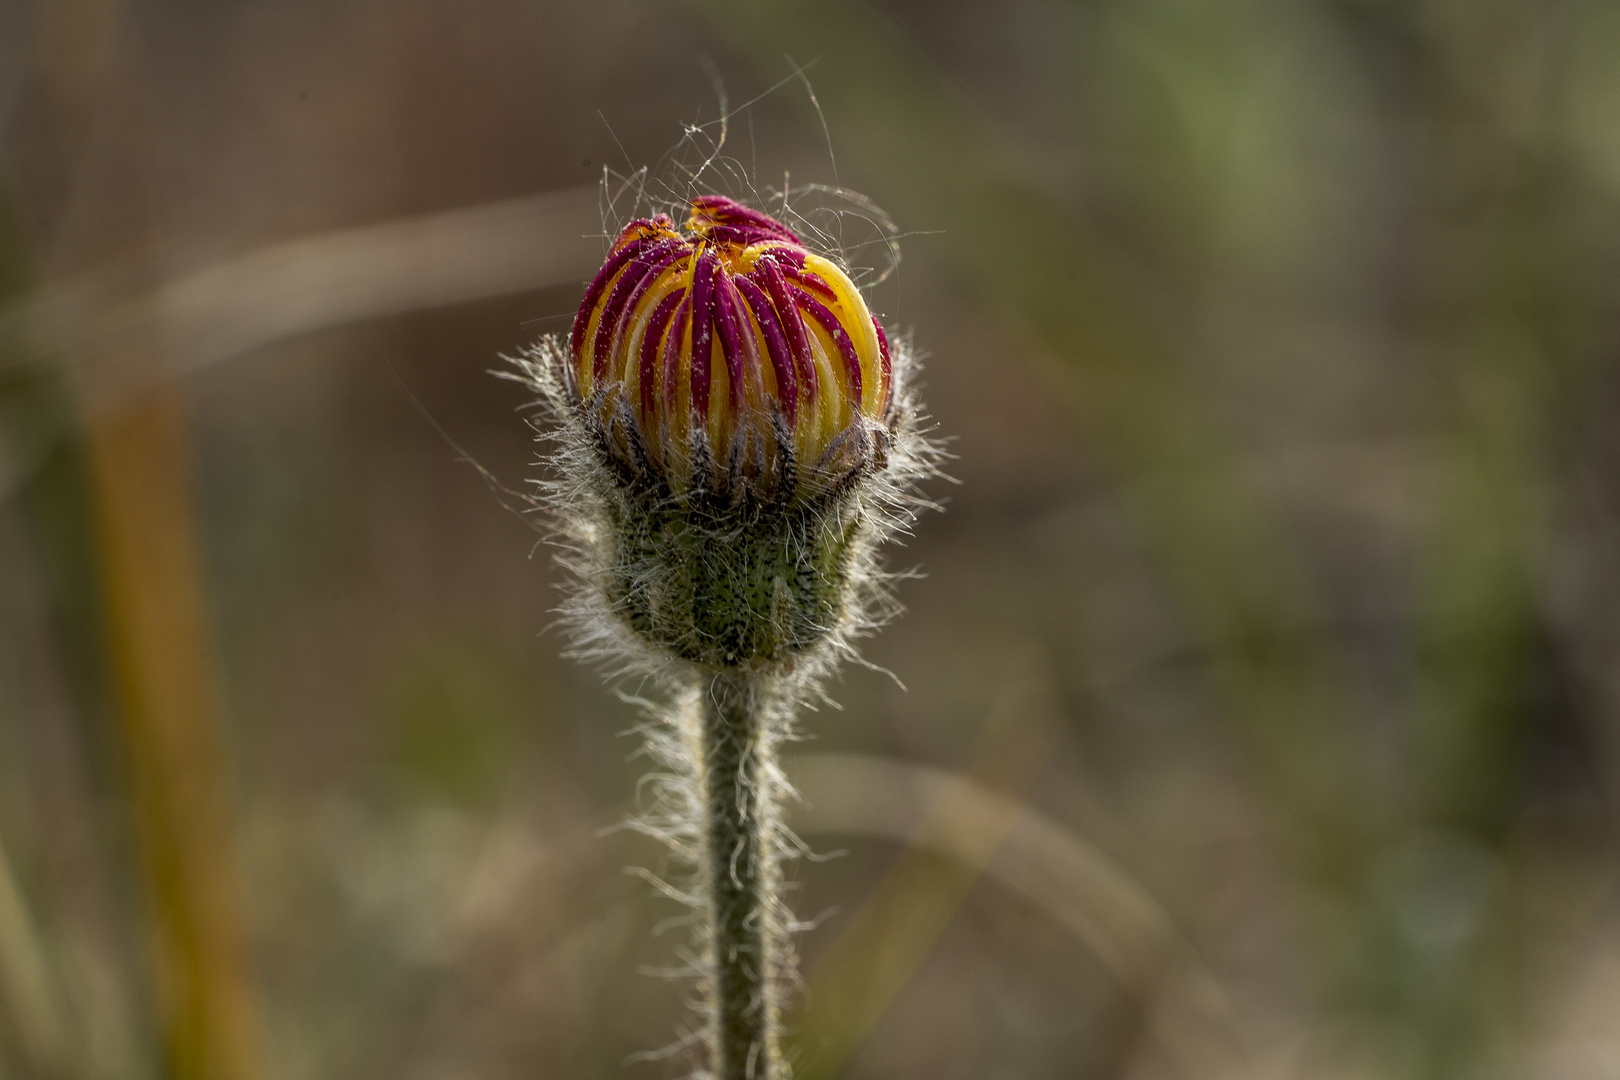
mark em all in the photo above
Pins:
pixel 735 440
pixel 729 359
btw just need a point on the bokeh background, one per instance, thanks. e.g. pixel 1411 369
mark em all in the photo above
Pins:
pixel 1260 712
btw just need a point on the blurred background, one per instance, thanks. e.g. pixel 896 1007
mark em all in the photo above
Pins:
pixel 1260 711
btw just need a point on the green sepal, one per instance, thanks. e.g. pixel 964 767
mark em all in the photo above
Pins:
pixel 729 586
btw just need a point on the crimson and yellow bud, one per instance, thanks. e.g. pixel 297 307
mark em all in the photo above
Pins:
pixel 730 357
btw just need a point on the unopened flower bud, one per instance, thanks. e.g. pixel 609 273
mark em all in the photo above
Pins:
pixel 736 440
pixel 730 359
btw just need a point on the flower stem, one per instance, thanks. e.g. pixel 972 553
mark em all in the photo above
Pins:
pixel 740 797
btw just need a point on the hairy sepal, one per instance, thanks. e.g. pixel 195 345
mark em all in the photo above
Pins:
pixel 723 575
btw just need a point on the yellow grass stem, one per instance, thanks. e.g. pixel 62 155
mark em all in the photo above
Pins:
pixel 159 644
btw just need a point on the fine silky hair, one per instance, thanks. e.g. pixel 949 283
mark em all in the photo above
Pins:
pixel 732 437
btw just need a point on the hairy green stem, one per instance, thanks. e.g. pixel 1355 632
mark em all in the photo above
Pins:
pixel 741 801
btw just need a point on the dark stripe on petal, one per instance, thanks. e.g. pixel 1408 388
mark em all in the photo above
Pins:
pixel 649 350
pixel 632 305
pixel 726 319
pixel 814 283
pixel 702 322
pixel 724 211
pixel 739 235
pixel 629 281
pixel 672 357
pixel 792 324
pixel 835 330
pixel 787 257
pixel 770 326
pixel 614 264
pixel 888 367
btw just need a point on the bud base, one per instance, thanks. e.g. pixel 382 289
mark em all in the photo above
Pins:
pixel 726 588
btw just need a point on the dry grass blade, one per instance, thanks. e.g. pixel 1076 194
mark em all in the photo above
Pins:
pixel 386 269
pixel 158 639
pixel 321 281
pixel 297 287
pixel 1074 883
pixel 25 987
